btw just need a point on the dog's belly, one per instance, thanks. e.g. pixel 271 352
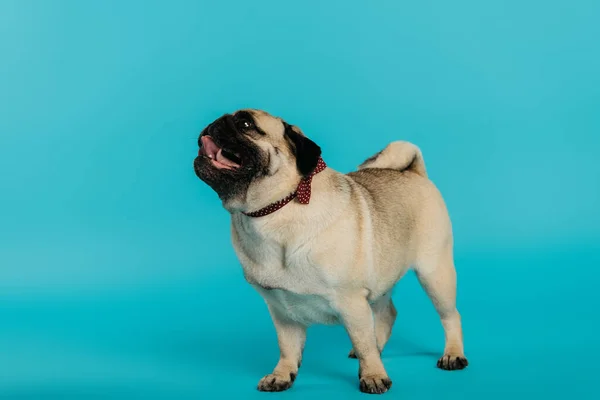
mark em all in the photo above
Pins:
pixel 307 309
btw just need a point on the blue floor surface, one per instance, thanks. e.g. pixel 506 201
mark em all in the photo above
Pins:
pixel 530 323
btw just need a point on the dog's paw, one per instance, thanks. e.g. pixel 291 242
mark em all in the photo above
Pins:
pixel 276 383
pixel 451 362
pixel 375 384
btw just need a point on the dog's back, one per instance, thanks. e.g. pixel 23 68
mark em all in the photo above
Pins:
pixel 408 214
pixel 396 182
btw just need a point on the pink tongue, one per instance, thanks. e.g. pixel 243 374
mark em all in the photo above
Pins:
pixel 224 160
pixel 210 147
pixel 214 152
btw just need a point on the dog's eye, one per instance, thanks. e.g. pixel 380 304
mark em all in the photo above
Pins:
pixel 243 121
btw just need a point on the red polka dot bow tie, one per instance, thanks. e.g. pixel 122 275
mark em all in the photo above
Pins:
pixel 302 193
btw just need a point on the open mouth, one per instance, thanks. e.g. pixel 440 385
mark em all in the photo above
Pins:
pixel 221 158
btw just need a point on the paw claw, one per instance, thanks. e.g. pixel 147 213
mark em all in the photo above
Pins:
pixel 375 384
pixel 450 363
pixel 275 383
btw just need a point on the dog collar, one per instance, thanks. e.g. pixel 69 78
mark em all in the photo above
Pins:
pixel 302 193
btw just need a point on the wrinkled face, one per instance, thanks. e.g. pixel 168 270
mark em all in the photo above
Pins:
pixel 250 146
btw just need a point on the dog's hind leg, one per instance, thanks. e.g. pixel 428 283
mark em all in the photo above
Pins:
pixel 437 276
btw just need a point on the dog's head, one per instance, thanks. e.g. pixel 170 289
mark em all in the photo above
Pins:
pixel 251 157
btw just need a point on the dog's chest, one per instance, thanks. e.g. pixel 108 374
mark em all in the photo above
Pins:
pixel 272 266
pixel 289 279
pixel 306 309
pixel 293 290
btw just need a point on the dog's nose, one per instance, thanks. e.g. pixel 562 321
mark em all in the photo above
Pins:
pixel 206 131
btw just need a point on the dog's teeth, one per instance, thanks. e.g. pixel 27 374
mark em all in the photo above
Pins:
pixel 210 156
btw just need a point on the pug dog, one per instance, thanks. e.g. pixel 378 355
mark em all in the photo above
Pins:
pixel 324 247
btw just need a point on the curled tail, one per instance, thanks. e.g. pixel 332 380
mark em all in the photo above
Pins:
pixel 401 156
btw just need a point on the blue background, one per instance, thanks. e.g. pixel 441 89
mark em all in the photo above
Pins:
pixel 117 278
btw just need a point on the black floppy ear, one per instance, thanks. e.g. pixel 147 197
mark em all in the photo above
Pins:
pixel 306 151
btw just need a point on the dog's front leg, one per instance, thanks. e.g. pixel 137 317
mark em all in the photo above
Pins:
pixel 291 337
pixel 357 317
